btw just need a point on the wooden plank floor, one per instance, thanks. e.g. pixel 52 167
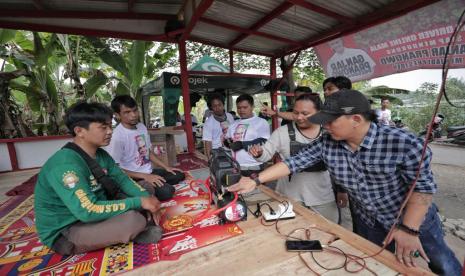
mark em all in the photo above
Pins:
pixel 11 179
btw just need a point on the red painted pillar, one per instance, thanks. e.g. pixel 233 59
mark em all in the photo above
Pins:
pixel 13 157
pixel 274 97
pixel 185 96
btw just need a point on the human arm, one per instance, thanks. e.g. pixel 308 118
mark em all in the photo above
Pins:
pixel 283 114
pixel 246 184
pixel 207 147
pixel 265 152
pixel 71 184
pixel 207 137
pixel 418 204
pixel 157 162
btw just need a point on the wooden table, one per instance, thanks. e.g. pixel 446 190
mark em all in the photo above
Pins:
pixel 261 251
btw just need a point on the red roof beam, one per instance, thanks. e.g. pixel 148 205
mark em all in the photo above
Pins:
pixel 86 15
pixel 247 31
pixel 270 16
pixel 236 49
pixel 321 10
pixel 389 12
pixel 198 12
pixel 83 31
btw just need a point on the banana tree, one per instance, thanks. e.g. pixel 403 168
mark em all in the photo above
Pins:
pixel 133 67
pixel 30 56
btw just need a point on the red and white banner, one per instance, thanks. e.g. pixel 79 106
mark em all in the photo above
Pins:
pixel 417 40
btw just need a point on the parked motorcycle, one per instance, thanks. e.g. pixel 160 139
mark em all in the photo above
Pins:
pixel 437 128
pixel 456 135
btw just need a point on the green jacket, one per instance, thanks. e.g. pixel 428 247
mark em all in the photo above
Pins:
pixel 66 192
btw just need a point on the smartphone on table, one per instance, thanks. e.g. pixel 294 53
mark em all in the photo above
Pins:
pixel 304 245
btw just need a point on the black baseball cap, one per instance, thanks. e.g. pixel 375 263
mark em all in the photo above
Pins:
pixel 343 102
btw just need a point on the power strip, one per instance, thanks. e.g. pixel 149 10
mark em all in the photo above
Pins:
pixel 284 212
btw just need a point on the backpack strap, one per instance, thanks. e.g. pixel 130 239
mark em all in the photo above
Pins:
pixel 109 186
pixel 291 131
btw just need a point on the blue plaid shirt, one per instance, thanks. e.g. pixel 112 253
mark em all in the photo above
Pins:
pixel 376 176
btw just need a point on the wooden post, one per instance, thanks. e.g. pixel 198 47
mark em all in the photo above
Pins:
pixel 186 96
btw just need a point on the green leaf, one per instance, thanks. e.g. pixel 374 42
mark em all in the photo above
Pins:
pixel 94 83
pixel 136 63
pixel 122 89
pixel 6 35
pixel 109 57
pixel 52 90
pixel 24 41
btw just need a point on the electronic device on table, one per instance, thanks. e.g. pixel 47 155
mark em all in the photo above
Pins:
pixel 224 172
pixel 303 245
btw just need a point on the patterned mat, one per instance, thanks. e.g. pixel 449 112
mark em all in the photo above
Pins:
pixel 22 253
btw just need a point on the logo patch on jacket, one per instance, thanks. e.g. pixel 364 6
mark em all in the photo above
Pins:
pixel 70 179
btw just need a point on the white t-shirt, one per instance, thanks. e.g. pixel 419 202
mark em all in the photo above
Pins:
pixel 312 188
pixel 248 130
pixel 384 116
pixel 215 131
pixel 355 64
pixel 131 148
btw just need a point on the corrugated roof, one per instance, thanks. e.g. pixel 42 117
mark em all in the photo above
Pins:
pixel 268 27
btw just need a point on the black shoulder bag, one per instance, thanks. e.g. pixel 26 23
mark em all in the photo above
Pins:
pixel 109 186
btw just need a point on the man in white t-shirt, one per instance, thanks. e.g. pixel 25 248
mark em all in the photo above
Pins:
pixel 384 114
pixel 249 130
pixel 130 147
pixel 216 126
pixel 355 64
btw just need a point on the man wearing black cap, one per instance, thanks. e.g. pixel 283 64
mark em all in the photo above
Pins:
pixel 376 165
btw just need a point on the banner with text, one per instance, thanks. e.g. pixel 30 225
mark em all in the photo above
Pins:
pixel 417 40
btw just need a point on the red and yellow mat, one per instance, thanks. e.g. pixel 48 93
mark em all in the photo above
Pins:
pixel 22 253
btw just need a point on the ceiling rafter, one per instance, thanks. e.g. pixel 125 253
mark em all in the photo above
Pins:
pixel 197 14
pixel 321 10
pixel 247 31
pixel 260 23
pixel 86 15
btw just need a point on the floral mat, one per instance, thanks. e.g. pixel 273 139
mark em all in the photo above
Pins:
pixel 22 253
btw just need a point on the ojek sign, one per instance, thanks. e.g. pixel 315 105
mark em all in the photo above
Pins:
pixel 417 40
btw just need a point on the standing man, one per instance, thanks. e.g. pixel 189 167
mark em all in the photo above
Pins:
pixel 216 126
pixel 75 213
pixel 384 114
pixel 376 165
pixel 333 84
pixel 131 149
pixel 249 130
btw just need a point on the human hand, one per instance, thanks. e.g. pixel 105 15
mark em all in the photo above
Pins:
pixel 151 204
pixel 342 199
pixel 156 216
pixel 155 180
pixel 256 151
pixel 173 170
pixel 406 246
pixel 245 185
pixel 267 110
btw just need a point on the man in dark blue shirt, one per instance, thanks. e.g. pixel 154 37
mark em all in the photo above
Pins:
pixel 376 165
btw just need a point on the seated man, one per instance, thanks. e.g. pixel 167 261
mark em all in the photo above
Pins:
pixel 131 149
pixel 246 132
pixel 216 126
pixel 77 211
pixel 312 186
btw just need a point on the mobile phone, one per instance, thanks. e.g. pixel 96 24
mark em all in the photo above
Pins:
pixel 306 245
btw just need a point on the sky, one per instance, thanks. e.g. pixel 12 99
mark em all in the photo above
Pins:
pixel 413 79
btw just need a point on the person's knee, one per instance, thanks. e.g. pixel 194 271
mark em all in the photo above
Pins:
pixel 133 223
pixel 174 179
pixel 164 192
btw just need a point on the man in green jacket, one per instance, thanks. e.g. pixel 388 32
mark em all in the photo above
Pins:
pixel 74 212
